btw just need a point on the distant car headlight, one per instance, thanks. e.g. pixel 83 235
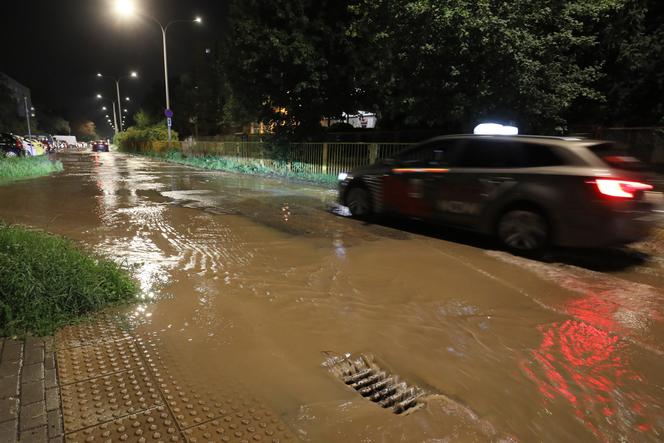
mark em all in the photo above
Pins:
pixel 343 176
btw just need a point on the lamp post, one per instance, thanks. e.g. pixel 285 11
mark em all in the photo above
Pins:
pixel 115 120
pixel 132 74
pixel 27 115
pixel 126 8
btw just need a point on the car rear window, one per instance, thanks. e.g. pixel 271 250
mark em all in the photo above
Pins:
pixel 617 156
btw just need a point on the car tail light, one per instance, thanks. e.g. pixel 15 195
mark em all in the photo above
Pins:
pixel 19 145
pixel 620 188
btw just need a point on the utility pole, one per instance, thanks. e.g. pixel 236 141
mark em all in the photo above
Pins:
pixel 117 88
pixel 115 118
pixel 27 115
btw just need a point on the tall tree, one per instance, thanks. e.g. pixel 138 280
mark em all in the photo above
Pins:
pixel 633 51
pixel 290 60
pixel 450 63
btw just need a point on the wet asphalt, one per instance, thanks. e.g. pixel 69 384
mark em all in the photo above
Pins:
pixel 255 282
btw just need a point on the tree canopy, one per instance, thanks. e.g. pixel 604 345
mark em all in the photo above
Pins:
pixel 444 64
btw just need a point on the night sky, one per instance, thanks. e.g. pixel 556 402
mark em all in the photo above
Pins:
pixel 55 47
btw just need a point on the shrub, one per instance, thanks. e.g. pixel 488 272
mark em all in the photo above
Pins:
pixel 47 281
pixel 24 167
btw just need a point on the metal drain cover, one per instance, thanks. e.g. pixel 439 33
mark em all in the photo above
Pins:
pixel 378 385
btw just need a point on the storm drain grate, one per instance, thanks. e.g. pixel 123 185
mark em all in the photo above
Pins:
pixel 378 385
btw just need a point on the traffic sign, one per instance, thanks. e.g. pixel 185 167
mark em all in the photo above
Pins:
pixel 168 113
pixel 169 122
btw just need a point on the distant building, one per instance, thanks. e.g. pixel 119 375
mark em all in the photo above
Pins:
pixel 18 92
pixel 359 120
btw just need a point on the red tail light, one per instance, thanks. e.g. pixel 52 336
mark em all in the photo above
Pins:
pixel 620 188
pixel 19 145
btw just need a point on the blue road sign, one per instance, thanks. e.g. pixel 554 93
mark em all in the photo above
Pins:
pixel 168 113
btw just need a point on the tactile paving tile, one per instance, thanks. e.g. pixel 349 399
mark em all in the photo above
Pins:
pixel 99 330
pixel 154 425
pixel 106 398
pixel 191 402
pixel 252 424
pixel 86 362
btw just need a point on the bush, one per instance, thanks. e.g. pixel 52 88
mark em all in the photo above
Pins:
pixel 47 281
pixel 24 167
pixel 134 134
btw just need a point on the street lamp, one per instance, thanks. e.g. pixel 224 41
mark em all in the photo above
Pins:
pixel 100 97
pixel 132 74
pixel 126 8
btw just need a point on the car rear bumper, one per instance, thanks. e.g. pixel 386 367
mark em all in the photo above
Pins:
pixel 609 227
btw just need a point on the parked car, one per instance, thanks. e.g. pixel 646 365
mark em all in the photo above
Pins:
pixel 100 146
pixel 28 147
pixel 10 146
pixel 528 191
pixel 38 148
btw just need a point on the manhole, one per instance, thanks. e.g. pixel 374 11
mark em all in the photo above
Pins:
pixel 374 383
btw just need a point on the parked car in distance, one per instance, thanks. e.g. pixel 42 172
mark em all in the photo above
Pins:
pixel 100 146
pixel 38 148
pixel 10 146
pixel 528 191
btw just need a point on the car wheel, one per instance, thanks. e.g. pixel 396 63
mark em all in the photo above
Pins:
pixel 523 231
pixel 358 202
pixel 11 154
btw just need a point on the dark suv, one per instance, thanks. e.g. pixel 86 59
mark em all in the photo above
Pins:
pixel 528 191
pixel 10 146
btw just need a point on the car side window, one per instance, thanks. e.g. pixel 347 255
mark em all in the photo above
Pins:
pixel 488 154
pixel 496 154
pixel 432 153
pixel 538 156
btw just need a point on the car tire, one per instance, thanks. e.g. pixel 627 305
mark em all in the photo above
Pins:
pixel 11 154
pixel 358 202
pixel 523 231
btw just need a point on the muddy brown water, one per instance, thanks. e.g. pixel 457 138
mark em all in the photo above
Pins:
pixel 252 281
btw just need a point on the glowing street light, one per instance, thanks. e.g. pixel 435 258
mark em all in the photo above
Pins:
pixel 126 8
pixel 99 97
pixel 127 99
pixel 132 74
pixel 103 108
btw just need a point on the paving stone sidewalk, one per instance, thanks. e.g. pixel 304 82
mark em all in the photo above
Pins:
pixel 30 407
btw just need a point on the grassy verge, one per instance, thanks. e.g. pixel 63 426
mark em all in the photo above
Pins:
pixel 26 167
pixel 296 171
pixel 47 281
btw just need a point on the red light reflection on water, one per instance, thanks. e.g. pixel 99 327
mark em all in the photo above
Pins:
pixel 587 367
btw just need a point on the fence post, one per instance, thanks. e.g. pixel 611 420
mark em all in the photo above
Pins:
pixel 373 153
pixel 324 158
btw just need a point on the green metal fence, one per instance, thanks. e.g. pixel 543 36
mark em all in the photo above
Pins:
pixel 316 158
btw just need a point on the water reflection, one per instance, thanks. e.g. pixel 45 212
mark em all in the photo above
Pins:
pixel 590 370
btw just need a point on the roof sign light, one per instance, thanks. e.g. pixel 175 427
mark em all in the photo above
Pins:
pixel 495 129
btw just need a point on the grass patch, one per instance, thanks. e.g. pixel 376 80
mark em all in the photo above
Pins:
pixel 272 168
pixel 26 167
pixel 47 281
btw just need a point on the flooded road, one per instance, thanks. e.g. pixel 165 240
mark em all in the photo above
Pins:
pixel 252 282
